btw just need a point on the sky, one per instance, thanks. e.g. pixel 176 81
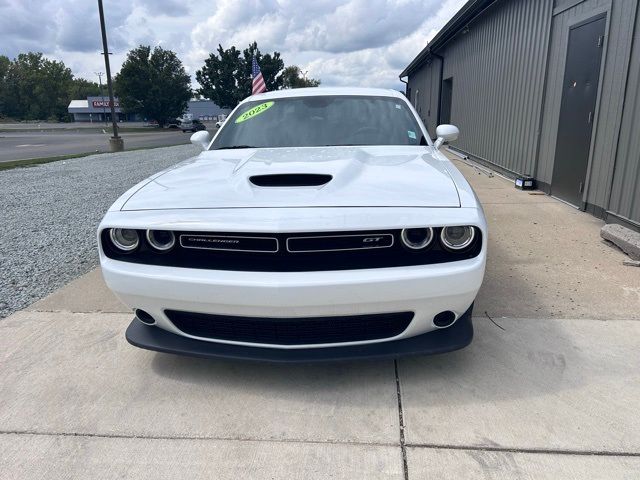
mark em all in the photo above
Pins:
pixel 343 43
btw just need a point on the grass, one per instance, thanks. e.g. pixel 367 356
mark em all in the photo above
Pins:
pixel 28 162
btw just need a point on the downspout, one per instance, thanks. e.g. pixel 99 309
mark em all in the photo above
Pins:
pixel 441 58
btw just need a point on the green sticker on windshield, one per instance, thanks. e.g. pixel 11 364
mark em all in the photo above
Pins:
pixel 255 111
pixel 411 134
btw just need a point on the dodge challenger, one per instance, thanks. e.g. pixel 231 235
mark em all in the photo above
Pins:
pixel 316 224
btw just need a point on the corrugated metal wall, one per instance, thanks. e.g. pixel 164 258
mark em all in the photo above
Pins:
pixel 507 72
pixel 625 196
pixel 425 84
pixel 498 74
pixel 621 19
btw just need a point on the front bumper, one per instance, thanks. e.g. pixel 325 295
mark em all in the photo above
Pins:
pixel 424 290
pixel 458 336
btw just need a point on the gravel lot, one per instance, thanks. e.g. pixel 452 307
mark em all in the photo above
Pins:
pixel 50 214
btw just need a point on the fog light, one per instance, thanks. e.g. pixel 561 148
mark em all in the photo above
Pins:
pixel 162 240
pixel 457 238
pixel 125 239
pixel 417 238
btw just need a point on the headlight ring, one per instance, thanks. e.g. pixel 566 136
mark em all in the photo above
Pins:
pixel 161 240
pixel 124 239
pixel 457 237
pixel 417 238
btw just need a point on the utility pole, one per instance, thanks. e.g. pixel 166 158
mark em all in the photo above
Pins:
pixel 104 113
pixel 116 143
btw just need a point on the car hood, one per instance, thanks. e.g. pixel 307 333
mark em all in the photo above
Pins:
pixel 302 177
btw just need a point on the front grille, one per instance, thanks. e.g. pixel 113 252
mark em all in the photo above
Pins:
pixel 290 252
pixel 291 331
pixel 230 243
pixel 336 243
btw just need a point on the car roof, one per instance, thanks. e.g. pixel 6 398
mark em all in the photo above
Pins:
pixel 318 91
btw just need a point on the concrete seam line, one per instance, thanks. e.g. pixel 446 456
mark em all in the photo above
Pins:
pixel 561 319
pixel 403 449
pixel 206 438
pixel 541 451
pixel 433 446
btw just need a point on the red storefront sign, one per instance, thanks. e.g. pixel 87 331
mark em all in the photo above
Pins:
pixel 105 103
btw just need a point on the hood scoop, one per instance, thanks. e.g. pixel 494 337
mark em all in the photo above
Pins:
pixel 290 180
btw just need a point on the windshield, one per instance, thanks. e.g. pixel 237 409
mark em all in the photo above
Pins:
pixel 320 121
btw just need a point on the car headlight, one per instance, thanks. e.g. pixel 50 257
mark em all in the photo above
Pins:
pixel 417 238
pixel 125 239
pixel 162 240
pixel 457 238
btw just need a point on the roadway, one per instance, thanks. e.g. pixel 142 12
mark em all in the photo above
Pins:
pixel 23 145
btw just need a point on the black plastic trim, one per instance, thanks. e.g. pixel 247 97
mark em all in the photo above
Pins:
pixel 291 331
pixel 291 180
pixel 395 254
pixel 458 336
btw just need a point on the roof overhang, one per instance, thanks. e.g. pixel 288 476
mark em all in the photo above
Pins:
pixel 465 15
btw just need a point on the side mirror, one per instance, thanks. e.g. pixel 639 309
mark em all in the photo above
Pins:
pixel 446 133
pixel 201 139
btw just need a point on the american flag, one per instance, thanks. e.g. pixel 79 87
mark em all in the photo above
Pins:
pixel 258 85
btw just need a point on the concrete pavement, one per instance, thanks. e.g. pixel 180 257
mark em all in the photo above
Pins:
pixel 193 459
pixel 550 390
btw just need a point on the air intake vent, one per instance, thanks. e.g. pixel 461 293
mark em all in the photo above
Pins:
pixel 291 331
pixel 291 180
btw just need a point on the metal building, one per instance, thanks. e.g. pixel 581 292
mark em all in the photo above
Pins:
pixel 97 109
pixel 205 110
pixel 547 88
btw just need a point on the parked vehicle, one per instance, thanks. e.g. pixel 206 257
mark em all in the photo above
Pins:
pixel 318 224
pixel 173 123
pixel 192 126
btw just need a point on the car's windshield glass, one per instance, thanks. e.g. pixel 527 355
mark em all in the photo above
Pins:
pixel 319 121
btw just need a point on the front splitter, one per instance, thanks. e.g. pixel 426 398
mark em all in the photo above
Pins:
pixel 458 336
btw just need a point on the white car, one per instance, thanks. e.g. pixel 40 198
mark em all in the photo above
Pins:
pixel 317 224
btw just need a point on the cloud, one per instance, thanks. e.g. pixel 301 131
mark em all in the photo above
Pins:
pixel 21 30
pixel 361 24
pixel 170 8
pixel 359 42
pixel 355 42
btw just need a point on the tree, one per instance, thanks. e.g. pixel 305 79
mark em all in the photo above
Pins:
pixel 218 78
pixel 36 88
pixel 292 78
pixel 153 84
pixel 81 88
pixel 226 79
pixel 5 63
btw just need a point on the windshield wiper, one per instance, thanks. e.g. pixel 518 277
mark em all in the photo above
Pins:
pixel 233 147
